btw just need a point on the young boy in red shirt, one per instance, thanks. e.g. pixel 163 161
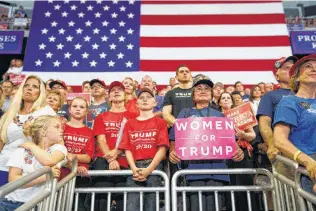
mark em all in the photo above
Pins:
pixel 145 142
pixel 106 128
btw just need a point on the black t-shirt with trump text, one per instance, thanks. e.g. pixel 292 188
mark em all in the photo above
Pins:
pixel 179 99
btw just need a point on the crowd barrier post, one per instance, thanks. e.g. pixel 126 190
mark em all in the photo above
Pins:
pixel 175 189
pixel 125 190
pixel 287 198
pixel 46 199
pixel 291 195
pixel 307 200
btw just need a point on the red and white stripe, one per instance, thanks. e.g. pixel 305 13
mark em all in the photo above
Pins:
pixel 227 40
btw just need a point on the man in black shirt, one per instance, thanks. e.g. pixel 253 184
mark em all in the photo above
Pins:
pixel 178 98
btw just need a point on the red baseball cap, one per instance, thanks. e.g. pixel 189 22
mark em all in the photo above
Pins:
pixel 63 84
pixel 278 64
pixel 97 81
pixel 296 66
pixel 116 83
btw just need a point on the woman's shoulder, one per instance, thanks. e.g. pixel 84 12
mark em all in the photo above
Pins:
pixel 46 110
pixel 289 100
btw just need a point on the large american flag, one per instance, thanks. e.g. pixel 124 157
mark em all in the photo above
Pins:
pixel 226 40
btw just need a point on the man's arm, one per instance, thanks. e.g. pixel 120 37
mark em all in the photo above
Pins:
pixel 266 130
pixel 167 116
pixel 267 135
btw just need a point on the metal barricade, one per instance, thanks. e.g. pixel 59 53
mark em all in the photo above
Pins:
pixel 175 189
pixel 307 200
pixel 287 198
pixel 125 190
pixel 290 194
pixel 46 199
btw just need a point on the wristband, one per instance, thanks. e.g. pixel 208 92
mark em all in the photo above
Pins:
pixel 297 153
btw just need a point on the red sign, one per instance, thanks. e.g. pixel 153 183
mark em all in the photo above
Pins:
pixel 17 79
pixel 86 96
pixel 243 116
pixel 205 138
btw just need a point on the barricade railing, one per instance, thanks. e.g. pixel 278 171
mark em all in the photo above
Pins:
pixel 221 189
pixel 287 198
pixel 290 194
pixel 46 199
pixel 165 188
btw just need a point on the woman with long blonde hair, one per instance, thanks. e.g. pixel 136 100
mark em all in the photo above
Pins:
pixel 130 96
pixel 28 103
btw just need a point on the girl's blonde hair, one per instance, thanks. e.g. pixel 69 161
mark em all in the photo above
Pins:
pixel 17 104
pixel 34 128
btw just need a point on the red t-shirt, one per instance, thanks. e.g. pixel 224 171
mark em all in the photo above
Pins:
pixel 79 141
pixel 144 137
pixel 132 107
pixel 109 124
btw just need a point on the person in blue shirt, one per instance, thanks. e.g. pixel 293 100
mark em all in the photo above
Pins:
pixel 295 119
pixel 268 104
pixel 147 82
pixel 202 96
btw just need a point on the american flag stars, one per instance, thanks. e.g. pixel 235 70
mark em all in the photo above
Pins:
pixel 89 35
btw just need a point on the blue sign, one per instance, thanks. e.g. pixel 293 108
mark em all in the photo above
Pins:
pixel 11 42
pixel 303 42
pixel 295 27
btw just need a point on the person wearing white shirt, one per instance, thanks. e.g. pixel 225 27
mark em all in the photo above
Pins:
pixel 255 97
pixel 28 104
pixel 45 149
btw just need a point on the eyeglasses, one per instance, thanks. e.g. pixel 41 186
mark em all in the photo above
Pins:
pixel 57 87
pixel 97 86
pixel 199 90
pixel 7 87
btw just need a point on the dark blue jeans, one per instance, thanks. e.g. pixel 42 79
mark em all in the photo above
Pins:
pixel 6 205
pixel 307 184
pixel 149 199
pixel 208 199
pixel 109 181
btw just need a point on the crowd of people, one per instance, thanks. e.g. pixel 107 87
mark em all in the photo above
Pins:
pixel 131 126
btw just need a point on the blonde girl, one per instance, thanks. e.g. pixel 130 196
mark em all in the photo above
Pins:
pixel 45 149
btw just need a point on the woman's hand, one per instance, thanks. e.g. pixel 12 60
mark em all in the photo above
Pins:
pixel 173 157
pixel 311 168
pixel 240 134
pixel 238 155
